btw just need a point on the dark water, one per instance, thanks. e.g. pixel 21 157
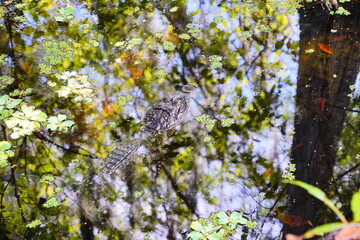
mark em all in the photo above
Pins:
pixel 95 68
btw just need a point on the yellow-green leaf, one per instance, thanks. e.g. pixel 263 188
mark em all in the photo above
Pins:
pixel 355 206
pixel 322 229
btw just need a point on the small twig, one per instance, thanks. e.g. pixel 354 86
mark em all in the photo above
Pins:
pixel 273 206
pixel 45 138
pixel 348 171
pixel 16 192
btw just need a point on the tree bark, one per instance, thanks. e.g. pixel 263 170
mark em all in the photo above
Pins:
pixel 324 79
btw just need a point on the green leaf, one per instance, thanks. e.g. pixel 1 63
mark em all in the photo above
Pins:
pixel 355 206
pixel 34 223
pixel 13 103
pixel 231 226
pixel 221 234
pixel 223 220
pixel 53 119
pixel 67 123
pixel 59 19
pixel 236 215
pixel 4 99
pixel 12 122
pixel 238 218
pixel 184 36
pixel 202 118
pixel 41 116
pixel 51 202
pixel 3 162
pixel 226 122
pixel 210 228
pixel 129 98
pixel 174 9
pixel 47 178
pixel 122 101
pixel 222 214
pixel 322 229
pixel 196 225
pixel 251 224
pixel 69 11
pixel 195 235
pixel 138 194
pixel 10 153
pixel 215 236
pixel 169 46
pixel 51 126
pixel 61 117
pixel 5 145
pixel 209 126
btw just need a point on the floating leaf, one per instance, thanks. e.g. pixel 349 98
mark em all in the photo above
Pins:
pixel 174 9
pixel 169 46
pixel 69 11
pixel 325 48
pixel 238 218
pixel 292 220
pixel 55 122
pixel 138 194
pixel 251 224
pixel 226 122
pixel 47 178
pixel 5 145
pixel 51 202
pixel 196 225
pixel 129 98
pixel 218 19
pixel 223 218
pixel 184 36
pixel 34 224
pixel 122 101
pixel 195 235
pixel 161 73
pixel 207 139
pixel 340 38
pixel 14 103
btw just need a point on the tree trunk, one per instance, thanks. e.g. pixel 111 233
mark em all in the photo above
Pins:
pixel 323 88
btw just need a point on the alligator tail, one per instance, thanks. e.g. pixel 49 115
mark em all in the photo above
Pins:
pixel 121 156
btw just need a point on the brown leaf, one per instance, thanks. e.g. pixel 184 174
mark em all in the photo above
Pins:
pixel 299 145
pixel 108 109
pixel 268 172
pixel 325 48
pixel 292 220
pixel 340 38
pixel 321 104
